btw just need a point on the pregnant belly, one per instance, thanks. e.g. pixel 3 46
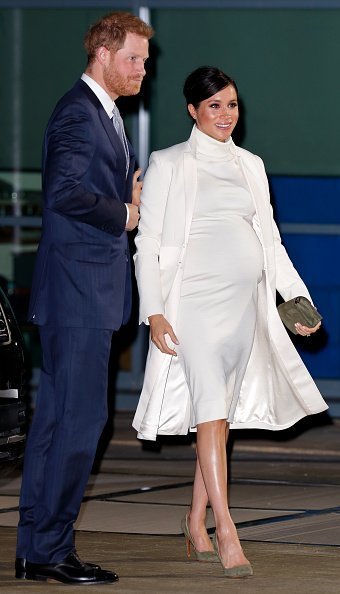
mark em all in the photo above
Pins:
pixel 224 253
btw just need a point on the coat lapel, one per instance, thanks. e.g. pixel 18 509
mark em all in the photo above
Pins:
pixel 112 134
pixel 260 197
pixel 190 182
pixel 119 150
pixel 190 189
pixel 104 118
pixel 263 226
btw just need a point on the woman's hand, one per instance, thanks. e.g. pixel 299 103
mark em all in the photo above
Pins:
pixel 159 328
pixel 136 187
pixel 305 331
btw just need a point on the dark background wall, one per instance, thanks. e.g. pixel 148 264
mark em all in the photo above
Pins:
pixel 42 56
pixel 284 61
pixel 285 64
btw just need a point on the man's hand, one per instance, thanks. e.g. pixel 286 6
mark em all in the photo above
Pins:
pixel 136 187
pixel 134 206
pixel 133 217
pixel 159 328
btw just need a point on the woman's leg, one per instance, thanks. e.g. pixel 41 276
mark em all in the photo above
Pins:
pixel 211 449
pixel 197 515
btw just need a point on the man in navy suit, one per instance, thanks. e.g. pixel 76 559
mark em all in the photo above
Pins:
pixel 81 293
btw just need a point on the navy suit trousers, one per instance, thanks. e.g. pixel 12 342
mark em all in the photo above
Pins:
pixel 70 414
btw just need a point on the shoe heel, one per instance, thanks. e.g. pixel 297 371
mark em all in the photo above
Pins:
pixel 208 556
pixel 20 568
pixel 20 574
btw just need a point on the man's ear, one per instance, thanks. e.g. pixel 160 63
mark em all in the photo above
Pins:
pixel 102 54
pixel 192 111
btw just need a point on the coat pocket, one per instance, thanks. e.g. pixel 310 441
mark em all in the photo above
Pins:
pixel 101 253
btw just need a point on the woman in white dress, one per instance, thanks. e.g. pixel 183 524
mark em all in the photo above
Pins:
pixel 209 260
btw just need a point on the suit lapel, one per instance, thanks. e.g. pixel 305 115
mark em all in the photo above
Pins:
pixel 111 132
pixel 105 120
pixel 128 185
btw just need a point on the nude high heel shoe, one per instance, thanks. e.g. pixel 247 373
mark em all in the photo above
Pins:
pixel 239 571
pixel 207 556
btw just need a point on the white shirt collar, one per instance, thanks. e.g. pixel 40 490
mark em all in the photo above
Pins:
pixel 102 95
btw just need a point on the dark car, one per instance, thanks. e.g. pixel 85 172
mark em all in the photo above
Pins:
pixel 12 391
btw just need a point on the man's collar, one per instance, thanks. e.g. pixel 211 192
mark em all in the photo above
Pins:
pixel 102 95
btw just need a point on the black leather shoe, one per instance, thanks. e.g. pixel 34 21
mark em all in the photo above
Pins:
pixel 71 568
pixel 20 565
pixel 20 568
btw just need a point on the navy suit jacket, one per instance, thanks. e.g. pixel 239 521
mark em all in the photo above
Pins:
pixel 82 272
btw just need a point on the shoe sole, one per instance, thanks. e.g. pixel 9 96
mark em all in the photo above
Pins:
pixel 44 578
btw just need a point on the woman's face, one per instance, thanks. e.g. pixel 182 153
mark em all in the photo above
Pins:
pixel 218 115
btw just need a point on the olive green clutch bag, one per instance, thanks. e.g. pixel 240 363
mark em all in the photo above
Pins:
pixel 298 310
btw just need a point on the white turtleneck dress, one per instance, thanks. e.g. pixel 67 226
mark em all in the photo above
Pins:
pixel 223 266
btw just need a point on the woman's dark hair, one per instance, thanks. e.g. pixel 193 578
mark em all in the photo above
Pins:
pixel 204 82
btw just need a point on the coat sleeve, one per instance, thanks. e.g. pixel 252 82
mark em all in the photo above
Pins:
pixel 69 148
pixel 155 191
pixel 288 281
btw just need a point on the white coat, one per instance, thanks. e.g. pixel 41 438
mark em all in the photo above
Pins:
pixel 277 389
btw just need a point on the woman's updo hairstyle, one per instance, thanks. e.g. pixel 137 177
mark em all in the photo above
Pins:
pixel 204 82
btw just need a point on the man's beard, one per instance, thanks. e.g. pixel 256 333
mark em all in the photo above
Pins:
pixel 120 86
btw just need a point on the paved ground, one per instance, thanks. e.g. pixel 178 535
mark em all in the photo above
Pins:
pixel 284 495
